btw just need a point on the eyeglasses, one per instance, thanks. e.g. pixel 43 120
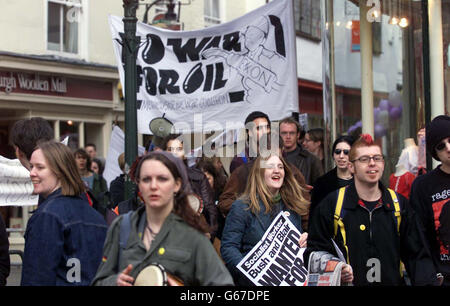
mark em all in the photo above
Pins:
pixel 339 151
pixel 441 146
pixel 366 159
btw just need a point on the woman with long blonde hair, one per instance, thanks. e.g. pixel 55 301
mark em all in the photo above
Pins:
pixel 271 188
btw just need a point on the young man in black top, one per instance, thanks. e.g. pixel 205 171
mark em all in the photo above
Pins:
pixel 430 196
pixel 373 238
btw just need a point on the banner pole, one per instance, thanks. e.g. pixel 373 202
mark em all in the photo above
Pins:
pixel 130 47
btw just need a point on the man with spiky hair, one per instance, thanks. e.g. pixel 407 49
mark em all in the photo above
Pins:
pixel 373 227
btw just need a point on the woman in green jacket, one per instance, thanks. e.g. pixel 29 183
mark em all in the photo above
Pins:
pixel 165 231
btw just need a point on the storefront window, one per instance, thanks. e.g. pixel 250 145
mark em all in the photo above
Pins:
pixel 70 129
pixel 446 44
pixel 397 72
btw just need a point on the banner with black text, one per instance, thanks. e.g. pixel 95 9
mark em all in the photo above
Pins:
pixel 211 79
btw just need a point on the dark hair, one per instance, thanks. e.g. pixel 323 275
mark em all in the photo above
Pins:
pixel 316 134
pixel 168 138
pixel 101 167
pixel 82 152
pixel 181 206
pixel 91 145
pixel 254 115
pixel 26 134
pixel 219 180
pixel 343 138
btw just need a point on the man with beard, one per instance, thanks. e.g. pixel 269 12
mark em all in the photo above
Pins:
pixel 257 125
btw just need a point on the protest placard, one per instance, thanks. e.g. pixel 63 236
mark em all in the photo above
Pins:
pixel 277 260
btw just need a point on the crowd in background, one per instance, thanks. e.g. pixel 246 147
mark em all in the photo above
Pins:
pixel 197 222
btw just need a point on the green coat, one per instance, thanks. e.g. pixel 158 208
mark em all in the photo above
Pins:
pixel 182 250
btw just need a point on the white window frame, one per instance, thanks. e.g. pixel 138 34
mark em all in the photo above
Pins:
pixel 210 20
pixel 82 28
pixel 310 21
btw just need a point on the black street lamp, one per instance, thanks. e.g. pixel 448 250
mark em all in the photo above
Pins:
pixel 129 49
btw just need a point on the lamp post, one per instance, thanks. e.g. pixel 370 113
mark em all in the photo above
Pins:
pixel 130 48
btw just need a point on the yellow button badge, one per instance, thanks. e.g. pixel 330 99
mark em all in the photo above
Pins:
pixel 362 227
pixel 161 251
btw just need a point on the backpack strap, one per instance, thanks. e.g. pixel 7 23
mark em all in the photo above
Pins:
pixel 244 157
pixel 397 213
pixel 125 228
pixel 338 222
pixel 398 219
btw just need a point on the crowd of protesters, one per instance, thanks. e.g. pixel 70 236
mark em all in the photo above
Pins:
pixel 193 223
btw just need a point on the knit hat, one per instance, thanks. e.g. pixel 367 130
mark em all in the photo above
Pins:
pixel 437 130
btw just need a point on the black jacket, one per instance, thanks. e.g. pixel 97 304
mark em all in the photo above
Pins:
pixel 430 198
pixel 308 164
pixel 200 186
pixel 4 253
pixel 324 185
pixel 117 190
pixel 378 238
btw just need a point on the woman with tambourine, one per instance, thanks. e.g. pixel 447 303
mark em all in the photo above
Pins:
pixel 165 235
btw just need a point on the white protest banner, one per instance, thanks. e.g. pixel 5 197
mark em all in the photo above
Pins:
pixel 15 184
pixel 277 260
pixel 211 79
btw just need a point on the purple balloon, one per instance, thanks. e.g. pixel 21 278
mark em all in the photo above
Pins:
pixel 380 131
pixel 376 111
pixel 351 129
pixel 395 112
pixel 384 105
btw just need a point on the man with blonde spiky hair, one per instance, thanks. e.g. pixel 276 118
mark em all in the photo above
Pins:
pixel 373 227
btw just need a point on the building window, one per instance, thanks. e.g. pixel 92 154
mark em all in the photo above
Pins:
pixel 63 25
pixel 307 18
pixel 211 12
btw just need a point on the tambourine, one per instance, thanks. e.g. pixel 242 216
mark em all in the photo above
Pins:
pixel 152 275
pixel 196 202
pixel 155 275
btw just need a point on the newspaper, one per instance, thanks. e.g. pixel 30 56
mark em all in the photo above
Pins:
pixel 277 260
pixel 324 269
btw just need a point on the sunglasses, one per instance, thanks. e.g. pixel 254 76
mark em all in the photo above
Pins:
pixel 441 145
pixel 338 151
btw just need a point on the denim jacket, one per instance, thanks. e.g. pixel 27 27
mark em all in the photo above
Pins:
pixel 63 242
pixel 244 229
